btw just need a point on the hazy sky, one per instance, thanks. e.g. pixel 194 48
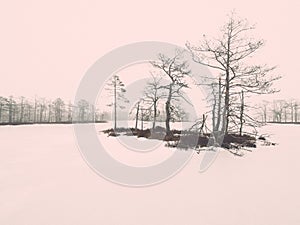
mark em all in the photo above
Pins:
pixel 47 46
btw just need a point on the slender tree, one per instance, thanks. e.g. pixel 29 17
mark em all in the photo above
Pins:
pixel 116 89
pixel 175 70
pixel 136 112
pixel 153 93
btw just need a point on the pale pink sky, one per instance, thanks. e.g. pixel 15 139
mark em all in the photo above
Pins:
pixel 47 46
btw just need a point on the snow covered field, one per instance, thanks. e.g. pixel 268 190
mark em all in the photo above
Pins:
pixel 44 180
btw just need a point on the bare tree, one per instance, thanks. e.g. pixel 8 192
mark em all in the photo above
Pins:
pixel 285 111
pixel 228 55
pixel 176 70
pixel 141 111
pixel 28 113
pixel 3 103
pixel 43 108
pixel 136 111
pixel 116 88
pixel 11 110
pixel 265 111
pixel 262 110
pixel 278 110
pixel 35 108
pixel 83 107
pixel 153 93
pixel 296 111
pixel 49 111
pixel 70 112
pixel 58 106
pixel 92 115
pixel 21 109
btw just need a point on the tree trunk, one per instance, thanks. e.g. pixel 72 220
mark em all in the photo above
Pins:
pixel 226 115
pixel 13 114
pixel 214 114
pixel 285 115
pixel 219 105
pixel 203 124
pixel 70 113
pixel 292 113
pixel 22 110
pixel 82 114
pixel 93 113
pixel 168 111
pixel 29 113
pixel 115 104
pixel 227 87
pixel 10 111
pixel 49 113
pixel 154 114
pixel 296 113
pixel 142 119
pixel 34 115
pixel 242 113
pixel 137 115
pixel 41 112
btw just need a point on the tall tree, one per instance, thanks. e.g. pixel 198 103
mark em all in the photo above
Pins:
pixel 116 89
pixel 229 54
pixel 175 70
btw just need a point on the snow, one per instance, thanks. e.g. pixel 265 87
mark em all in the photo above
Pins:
pixel 44 180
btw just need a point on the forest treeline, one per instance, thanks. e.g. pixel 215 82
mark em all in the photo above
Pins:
pixel 279 111
pixel 20 110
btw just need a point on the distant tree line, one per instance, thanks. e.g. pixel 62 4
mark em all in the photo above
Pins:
pixel 279 111
pixel 21 110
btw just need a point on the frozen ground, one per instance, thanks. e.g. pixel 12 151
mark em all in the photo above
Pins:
pixel 44 180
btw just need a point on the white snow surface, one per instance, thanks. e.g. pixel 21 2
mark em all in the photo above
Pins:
pixel 44 180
